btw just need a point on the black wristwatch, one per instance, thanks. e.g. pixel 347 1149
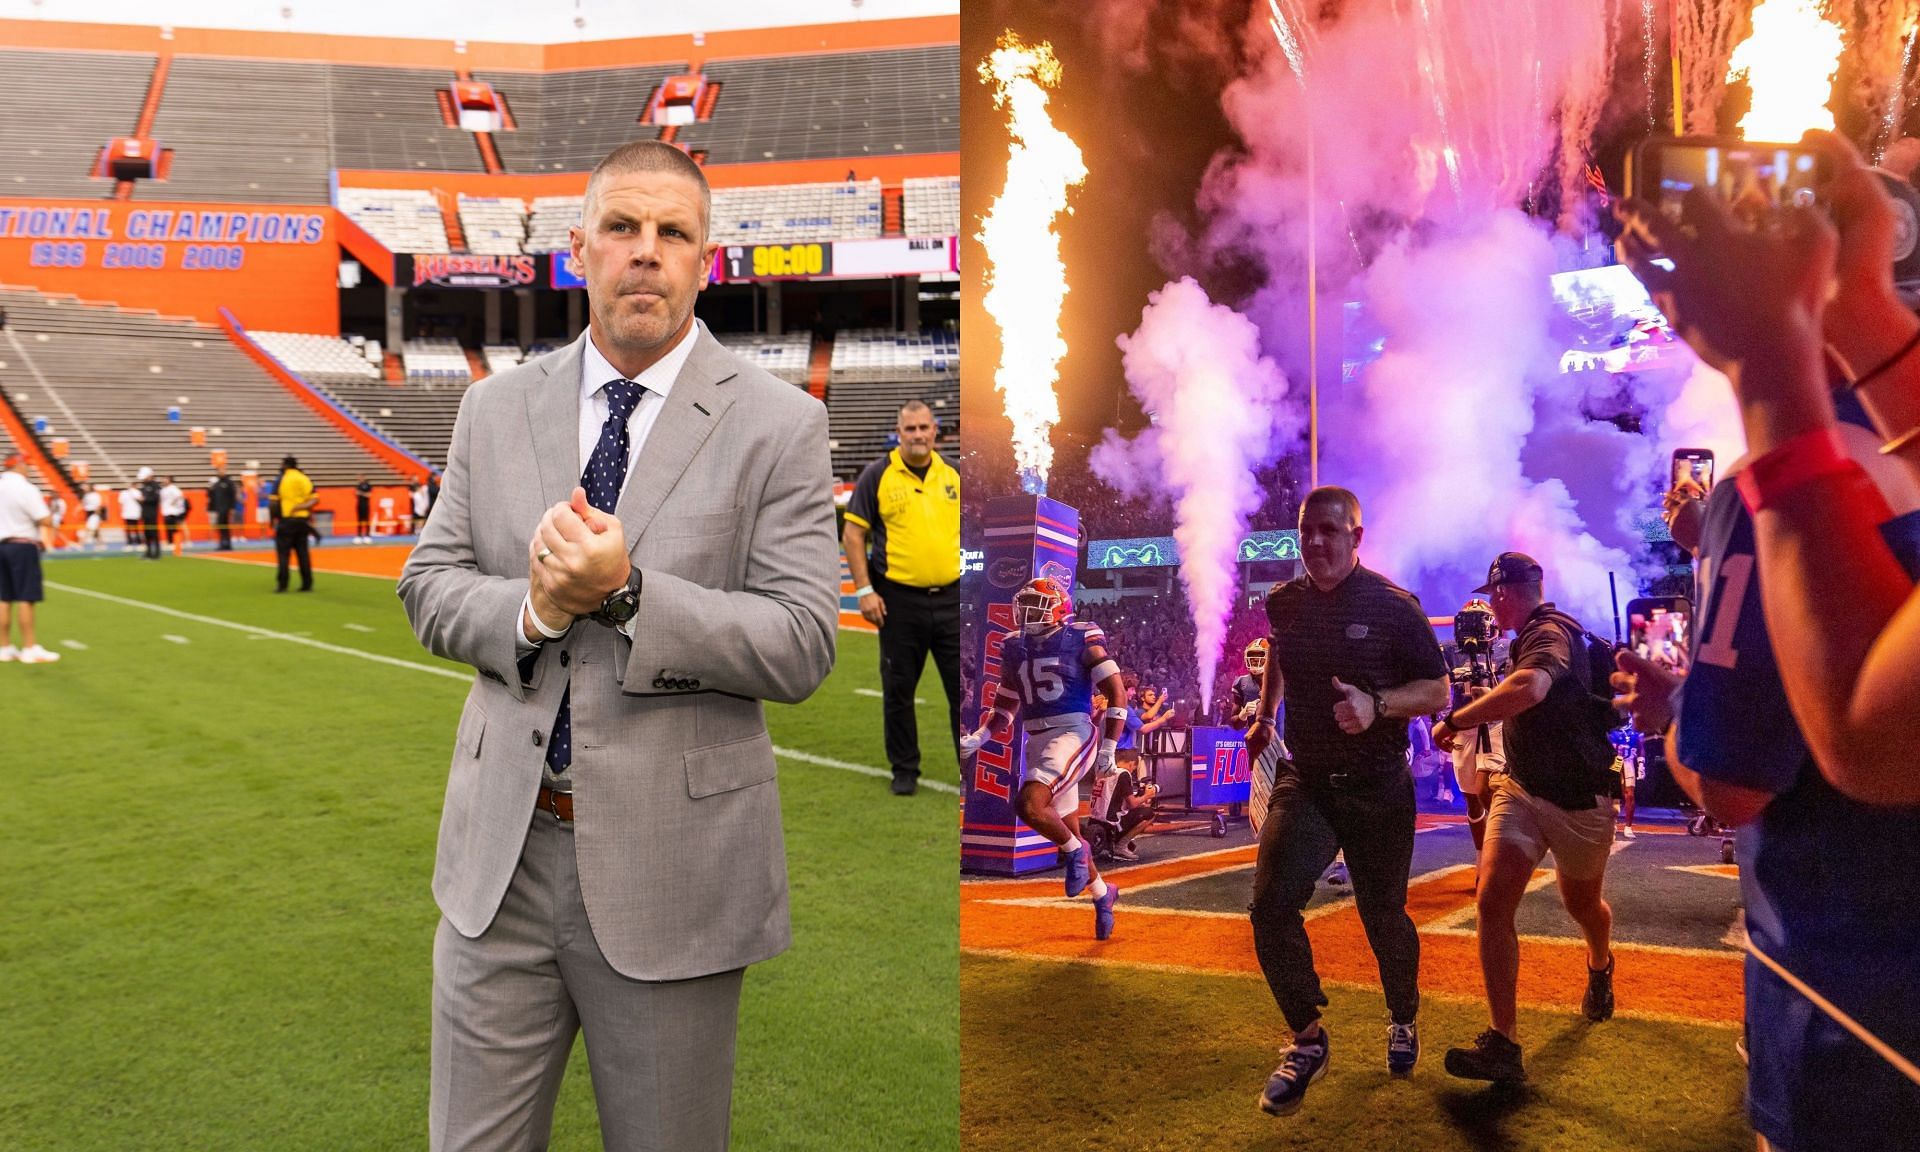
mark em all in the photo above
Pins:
pixel 623 605
pixel 1379 704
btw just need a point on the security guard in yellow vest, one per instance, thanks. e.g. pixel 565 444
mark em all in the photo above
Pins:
pixel 902 540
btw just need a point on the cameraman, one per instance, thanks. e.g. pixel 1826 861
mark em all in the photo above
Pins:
pixel 1554 797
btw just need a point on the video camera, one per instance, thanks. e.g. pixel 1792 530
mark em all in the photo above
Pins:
pixel 1474 631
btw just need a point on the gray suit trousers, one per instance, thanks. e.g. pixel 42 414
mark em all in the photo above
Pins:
pixel 506 1007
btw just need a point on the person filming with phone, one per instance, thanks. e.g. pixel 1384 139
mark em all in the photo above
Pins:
pixel 1805 741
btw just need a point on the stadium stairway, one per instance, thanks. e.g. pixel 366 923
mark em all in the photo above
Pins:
pixel 38 459
pixel 450 212
pixel 476 364
pixel 893 224
pixel 156 87
pixel 819 367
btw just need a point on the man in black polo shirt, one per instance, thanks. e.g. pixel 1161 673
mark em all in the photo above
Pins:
pixel 1553 796
pixel 1353 656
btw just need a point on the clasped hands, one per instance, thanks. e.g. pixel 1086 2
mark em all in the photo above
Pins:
pixel 576 559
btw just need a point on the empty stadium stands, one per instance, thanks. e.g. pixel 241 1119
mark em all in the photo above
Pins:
pixel 414 415
pixel 430 361
pixel 878 354
pixel 318 359
pixel 105 379
pixel 874 372
pixel 569 121
pixel 389 118
pixel 60 107
pixel 904 100
pixel 783 356
pixel 931 205
pixel 501 357
pixel 244 130
pixel 547 225
pixel 792 213
pixel 405 220
pixel 494 225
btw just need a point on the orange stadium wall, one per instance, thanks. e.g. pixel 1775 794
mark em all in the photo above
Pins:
pixel 275 265
pixel 199 527
pixel 481 55
pixel 886 169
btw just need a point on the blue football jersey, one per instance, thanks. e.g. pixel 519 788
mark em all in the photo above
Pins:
pixel 1814 866
pixel 1049 671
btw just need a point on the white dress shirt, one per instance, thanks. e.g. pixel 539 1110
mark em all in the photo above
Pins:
pixel 596 372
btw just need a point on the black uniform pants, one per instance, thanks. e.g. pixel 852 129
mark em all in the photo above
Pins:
pixel 1307 823
pixel 290 539
pixel 920 622
pixel 150 536
pixel 224 520
pixel 360 511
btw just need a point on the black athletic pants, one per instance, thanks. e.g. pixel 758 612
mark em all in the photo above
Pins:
pixel 1306 824
pixel 290 539
pixel 920 622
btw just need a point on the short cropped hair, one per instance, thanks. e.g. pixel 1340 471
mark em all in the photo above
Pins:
pixel 1329 494
pixel 652 156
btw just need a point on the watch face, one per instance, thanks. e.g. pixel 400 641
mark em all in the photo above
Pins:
pixel 620 607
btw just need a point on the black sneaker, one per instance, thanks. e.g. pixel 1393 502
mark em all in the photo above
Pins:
pixel 905 783
pixel 1492 1057
pixel 1300 1065
pixel 1597 1004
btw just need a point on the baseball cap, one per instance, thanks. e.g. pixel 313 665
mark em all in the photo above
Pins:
pixel 1511 568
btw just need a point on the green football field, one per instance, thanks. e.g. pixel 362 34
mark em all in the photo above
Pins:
pixel 215 921
pixel 1125 1059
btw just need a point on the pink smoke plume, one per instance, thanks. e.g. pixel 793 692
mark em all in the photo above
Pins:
pixel 1220 409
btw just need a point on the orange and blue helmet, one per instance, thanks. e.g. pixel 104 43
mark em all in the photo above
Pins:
pixel 1042 603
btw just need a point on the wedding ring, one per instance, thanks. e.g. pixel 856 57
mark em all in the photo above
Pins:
pixel 543 553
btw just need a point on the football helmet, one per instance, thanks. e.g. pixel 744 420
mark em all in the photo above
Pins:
pixel 1256 656
pixel 1041 604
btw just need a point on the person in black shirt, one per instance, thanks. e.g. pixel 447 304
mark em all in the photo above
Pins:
pixel 150 513
pixel 1553 796
pixel 362 510
pixel 222 497
pixel 1354 658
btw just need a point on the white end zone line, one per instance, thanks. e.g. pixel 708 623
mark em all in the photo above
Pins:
pixel 450 673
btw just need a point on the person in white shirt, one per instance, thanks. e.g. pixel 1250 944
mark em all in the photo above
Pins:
pixel 26 530
pixel 173 508
pixel 421 505
pixel 130 516
pixel 93 505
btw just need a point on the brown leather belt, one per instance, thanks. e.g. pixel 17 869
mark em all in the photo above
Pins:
pixel 558 804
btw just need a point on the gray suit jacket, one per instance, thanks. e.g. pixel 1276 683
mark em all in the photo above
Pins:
pixel 729 512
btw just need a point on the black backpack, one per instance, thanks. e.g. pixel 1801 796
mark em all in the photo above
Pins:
pixel 1595 671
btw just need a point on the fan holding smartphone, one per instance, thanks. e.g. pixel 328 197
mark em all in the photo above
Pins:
pixel 1690 479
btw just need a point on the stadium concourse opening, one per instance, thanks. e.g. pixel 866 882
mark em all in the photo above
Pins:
pixel 223 247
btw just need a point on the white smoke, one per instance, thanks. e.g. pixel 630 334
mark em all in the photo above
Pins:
pixel 1220 410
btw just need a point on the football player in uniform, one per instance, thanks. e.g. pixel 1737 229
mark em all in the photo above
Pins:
pixel 1049 670
pixel 1246 689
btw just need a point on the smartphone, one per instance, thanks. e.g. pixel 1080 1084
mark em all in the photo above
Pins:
pixel 1659 628
pixel 1662 170
pixel 1695 464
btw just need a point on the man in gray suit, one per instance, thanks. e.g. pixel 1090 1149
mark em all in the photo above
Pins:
pixel 634 548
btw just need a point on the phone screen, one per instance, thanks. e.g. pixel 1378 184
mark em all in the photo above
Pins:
pixel 1697 467
pixel 1761 175
pixel 1659 629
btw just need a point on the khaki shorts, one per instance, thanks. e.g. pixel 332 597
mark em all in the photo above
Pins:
pixel 1580 841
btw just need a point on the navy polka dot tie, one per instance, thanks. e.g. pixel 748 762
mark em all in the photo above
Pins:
pixel 606 472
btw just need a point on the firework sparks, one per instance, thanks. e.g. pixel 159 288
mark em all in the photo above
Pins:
pixel 1026 281
pixel 1789 62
